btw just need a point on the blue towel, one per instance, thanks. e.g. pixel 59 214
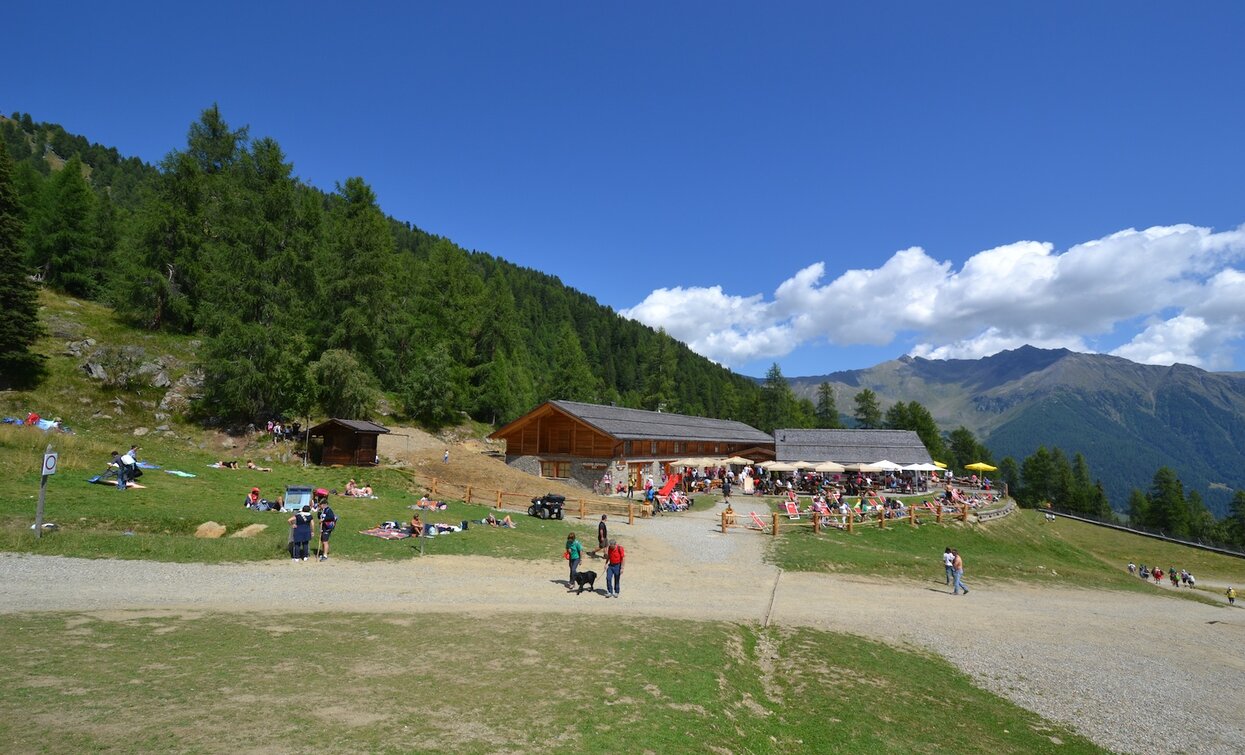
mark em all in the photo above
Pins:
pixel 177 472
pixel 147 465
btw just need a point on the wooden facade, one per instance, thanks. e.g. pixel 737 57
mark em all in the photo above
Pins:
pixel 346 442
pixel 568 430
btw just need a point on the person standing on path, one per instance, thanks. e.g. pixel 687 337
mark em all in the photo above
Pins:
pixel 445 458
pixel 574 552
pixel 958 566
pixel 328 520
pixel 602 536
pixel 948 562
pixel 614 557
pixel 301 523
pixel 1231 593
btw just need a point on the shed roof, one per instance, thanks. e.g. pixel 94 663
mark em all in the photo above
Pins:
pixel 639 424
pixel 850 446
pixel 358 425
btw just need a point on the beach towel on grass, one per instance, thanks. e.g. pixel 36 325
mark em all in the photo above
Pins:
pixel 386 534
pixel 178 473
pixel 147 465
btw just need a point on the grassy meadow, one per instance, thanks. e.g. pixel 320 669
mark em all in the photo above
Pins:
pixel 148 681
pixel 159 521
pixel 1022 547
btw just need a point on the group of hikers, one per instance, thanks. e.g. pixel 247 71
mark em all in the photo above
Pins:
pixel 1178 578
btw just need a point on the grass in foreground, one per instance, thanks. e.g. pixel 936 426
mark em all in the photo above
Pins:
pixel 141 682
pixel 158 523
pixel 1022 546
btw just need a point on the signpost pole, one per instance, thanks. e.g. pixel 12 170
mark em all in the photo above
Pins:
pixel 49 468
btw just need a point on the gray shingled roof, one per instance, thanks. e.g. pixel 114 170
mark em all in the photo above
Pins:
pixel 638 424
pixel 850 446
pixel 358 425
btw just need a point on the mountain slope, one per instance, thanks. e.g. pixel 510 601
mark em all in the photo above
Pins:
pixel 1128 419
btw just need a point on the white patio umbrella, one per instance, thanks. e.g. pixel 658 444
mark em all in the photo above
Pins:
pixel 920 468
pixel 779 466
pixel 885 465
pixel 829 466
pixel 736 460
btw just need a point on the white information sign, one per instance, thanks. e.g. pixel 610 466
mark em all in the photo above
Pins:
pixel 49 464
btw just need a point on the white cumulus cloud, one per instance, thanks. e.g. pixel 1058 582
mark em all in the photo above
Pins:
pixel 1182 282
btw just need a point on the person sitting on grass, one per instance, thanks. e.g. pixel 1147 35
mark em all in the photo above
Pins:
pixel 358 491
pixel 493 521
pixel 417 526
pixel 250 464
pixel 252 500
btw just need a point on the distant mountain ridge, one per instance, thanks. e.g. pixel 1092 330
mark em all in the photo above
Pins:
pixel 1128 419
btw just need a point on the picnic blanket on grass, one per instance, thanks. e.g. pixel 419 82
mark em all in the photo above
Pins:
pixel 385 533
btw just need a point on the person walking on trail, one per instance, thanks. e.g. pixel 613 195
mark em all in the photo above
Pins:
pixel 574 552
pixel 445 458
pixel 948 563
pixel 614 557
pixel 958 565
pixel 602 536
pixel 1231 593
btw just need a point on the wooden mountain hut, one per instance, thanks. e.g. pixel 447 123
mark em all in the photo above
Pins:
pixel 345 442
pixel 573 440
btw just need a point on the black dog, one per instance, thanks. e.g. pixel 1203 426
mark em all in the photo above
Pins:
pixel 586 578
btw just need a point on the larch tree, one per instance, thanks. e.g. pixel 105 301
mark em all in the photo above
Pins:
pixel 827 408
pixel 868 414
pixel 20 366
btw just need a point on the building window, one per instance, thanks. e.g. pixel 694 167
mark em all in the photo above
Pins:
pixel 626 448
pixel 653 448
pixel 555 469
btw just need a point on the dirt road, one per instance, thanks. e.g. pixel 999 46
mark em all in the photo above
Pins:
pixel 1100 662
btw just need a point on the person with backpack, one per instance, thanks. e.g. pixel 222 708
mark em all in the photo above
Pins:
pixel 614 557
pixel 122 469
pixel 301 532
pixel 328 521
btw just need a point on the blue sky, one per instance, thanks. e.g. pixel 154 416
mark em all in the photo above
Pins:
pixel 717 168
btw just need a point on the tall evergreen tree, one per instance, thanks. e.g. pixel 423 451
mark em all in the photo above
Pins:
pixel 777 402
pixel 1009 472
pixel 19 327
pixel 433 390
pixel 64 242
pixel 827 408
pixel 868 414
pixel 1168 510
pixel 359 279
pixel 570 377
pixel 343 387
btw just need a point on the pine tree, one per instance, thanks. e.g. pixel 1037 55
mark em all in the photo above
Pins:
pixel 1009 472
pixel 359 279
pixel 1168 510
pixel 19 327
pixel 896 417
pixel 868 414
pixel 433 390
pixel 777 401
pixel 64 242
pixel 570 377
pixel 827 408
pixel 343 387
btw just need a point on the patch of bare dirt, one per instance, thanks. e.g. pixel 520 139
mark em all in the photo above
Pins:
pixel 473 462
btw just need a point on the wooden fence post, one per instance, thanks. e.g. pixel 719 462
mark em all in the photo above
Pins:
pixel 582 508
pixel 723 522
pixel 912 515
pixel 964 513
pixel 817 522
pixel 938 512
pixel 849 520
pixel 468 494
pixel 499 499
pixel 775 532
pixel 882 518
pixel 630 513
pixel 434 486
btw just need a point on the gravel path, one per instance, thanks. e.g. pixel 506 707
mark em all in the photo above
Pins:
pixel 1134 673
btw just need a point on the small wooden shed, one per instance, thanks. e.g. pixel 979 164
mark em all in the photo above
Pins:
pixel 348 442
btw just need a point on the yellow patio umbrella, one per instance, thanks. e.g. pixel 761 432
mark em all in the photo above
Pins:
pixel 940 465
pixel 981 466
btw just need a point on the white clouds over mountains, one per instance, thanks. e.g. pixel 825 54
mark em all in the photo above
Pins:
pixel 1177 291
